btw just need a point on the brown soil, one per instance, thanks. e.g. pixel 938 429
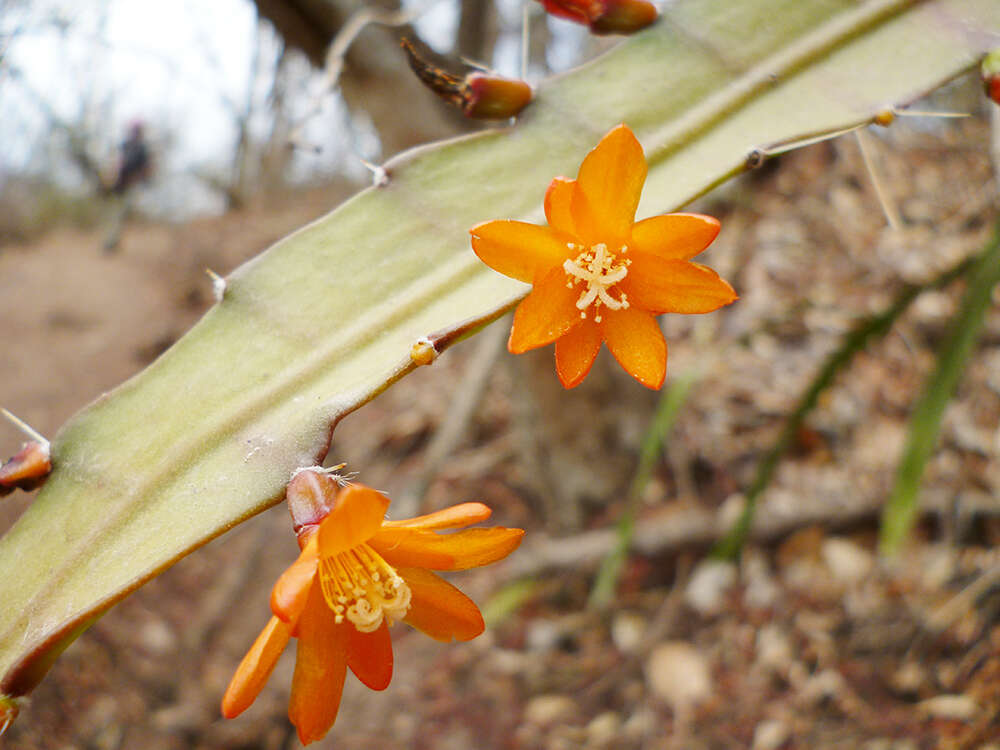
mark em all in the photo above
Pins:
pixel 809 642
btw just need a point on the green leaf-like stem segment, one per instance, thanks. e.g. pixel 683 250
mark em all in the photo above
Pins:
pixel 210 433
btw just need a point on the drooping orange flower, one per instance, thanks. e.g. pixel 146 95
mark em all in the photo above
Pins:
pixel 357 573
pixel 597 275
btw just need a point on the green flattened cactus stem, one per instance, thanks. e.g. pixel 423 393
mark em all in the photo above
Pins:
pixel 210 433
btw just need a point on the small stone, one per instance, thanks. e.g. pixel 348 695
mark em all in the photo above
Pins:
pixel 626 631
pixel 888 743
pixel 678 673
pixel 706 590
pixel 956 707
pixel 157 637
pixel 730 510
pixel 938 567
pixel 761 590
pixel 909 678
pixel 542 635
pixel 770 735
pixel 604 728
pixel 109 738
pixel 641 724
pixel 774 650
pixel 546 710
pixel 848 562
pixel 822 686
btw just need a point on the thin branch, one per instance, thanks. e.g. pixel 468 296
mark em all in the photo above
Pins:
pixel 336 54
pixel 686 526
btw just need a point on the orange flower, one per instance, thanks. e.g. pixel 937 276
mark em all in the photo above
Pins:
pixel 597 276
pixel 356 574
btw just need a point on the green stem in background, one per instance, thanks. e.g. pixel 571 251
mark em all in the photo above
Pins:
pixel 652 445
pixel 866 329
pixel 925 423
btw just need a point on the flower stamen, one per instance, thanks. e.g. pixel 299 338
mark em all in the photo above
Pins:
pixel 359 585
pixel 599 270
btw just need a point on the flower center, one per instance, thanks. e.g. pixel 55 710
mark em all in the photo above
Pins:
pixel 359 585
pixel 598 270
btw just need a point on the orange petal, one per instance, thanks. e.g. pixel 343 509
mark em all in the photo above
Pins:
pixel 611 178
pixel 665 285
pixel 545 314
pixel 471 548
pixel 320 669
pixel 558 205
pixel 256 667
pixel 439 609
pixel 357 515
pixel 680 236
pixel 464 514
pixel 575 353
pixel 636 341
pixel 288 597
pixel 518 249
pixel 369 655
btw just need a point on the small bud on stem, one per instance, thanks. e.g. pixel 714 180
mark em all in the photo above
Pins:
pixel 311 496
pixel 479 95
pixel 605 16
pixel 991 75
pixel 27 469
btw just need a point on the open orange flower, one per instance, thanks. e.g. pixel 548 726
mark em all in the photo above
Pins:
pixel 356 574
pixel 597 275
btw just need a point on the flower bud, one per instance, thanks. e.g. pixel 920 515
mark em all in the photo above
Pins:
pixel 27 469
pixel 423 352
pixel 884 118
pixel 991 75
pixel 624 17
pixel 311 496
pixel 478 95
pixel 605 16
pixel 494 98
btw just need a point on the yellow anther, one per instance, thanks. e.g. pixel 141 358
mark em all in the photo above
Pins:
pixel 359 585
pixel 599 270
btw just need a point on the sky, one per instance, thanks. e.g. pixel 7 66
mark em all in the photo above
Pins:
pixel 183 67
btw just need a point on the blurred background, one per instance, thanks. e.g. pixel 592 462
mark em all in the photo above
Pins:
pixel 143 143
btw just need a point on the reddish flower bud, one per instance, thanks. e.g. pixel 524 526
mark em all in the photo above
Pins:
pixel 478 95
pixel 991 75
pixel 27 469
pixel 494 98
pixel 605 16
pixel 311 496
